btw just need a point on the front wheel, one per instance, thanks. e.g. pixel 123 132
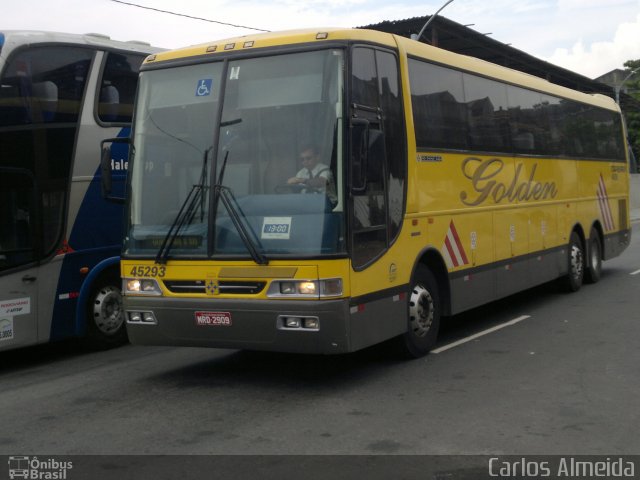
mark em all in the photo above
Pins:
pixel 105 316
pixel 423 315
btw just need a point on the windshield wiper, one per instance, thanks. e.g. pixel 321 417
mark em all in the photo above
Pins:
pixel 187 212
pixel 235 214
pixel 235 121
pixel 220 192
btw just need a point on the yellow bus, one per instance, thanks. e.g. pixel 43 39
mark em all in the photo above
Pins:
pixel 321 191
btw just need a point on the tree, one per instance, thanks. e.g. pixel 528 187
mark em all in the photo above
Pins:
pixel 632 115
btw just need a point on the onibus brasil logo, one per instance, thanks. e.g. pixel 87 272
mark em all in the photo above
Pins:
pixel 40 469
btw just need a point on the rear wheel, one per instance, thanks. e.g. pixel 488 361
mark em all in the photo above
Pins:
pixel 423 315
pixel 105 316
pixel 572 281
pixel 594 267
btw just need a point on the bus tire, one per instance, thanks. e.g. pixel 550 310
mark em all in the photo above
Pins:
pixel 572 281
pixel 594 266
pixel 105 316
pixel 423 315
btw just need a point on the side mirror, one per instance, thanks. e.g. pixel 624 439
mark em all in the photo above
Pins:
pixel 105 168
pixel 359 154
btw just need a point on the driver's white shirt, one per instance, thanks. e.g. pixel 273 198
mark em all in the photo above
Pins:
pixel 321 170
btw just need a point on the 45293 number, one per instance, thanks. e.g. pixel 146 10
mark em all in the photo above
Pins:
pixel 147 271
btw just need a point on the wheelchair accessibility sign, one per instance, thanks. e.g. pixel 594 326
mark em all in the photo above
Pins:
pixel 204 87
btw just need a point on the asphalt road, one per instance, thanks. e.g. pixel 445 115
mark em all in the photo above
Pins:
pixel 560 375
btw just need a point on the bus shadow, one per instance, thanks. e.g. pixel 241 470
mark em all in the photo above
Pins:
pixel 500 311
pixel 269 368
pixel 36 355
pixel 286 370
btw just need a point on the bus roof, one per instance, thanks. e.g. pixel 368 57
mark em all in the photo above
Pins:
pixel 408 46
pixel 273 39
pixel 14 38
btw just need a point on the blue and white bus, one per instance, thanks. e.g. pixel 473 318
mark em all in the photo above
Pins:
pixel 60 95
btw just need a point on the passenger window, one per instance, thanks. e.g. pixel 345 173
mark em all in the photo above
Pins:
pixel 439 109
pixel 43 87
pixel 460 111
pixel 488 117
pixel 526 122
pixel 17 218
pixel 118 87
pixel 551 120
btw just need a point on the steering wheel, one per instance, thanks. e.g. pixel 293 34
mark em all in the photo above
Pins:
pixel 290 188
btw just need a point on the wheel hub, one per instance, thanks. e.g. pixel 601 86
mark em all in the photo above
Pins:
pixel 107 310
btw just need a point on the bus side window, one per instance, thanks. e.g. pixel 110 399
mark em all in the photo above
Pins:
pixel 17 218
pixel 118 87
pixel 50 82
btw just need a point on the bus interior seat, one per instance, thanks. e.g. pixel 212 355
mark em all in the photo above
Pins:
pixel 109 103
pixel 524 141
pixel 238 178
pixel 46 93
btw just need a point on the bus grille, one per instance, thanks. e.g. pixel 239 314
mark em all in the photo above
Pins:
pixel 249 287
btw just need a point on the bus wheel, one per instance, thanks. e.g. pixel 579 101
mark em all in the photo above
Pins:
pixel 594 268
pixel 423 315
pixel 572 281
pixel 105 316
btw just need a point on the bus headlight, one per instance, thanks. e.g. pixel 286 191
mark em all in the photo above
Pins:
pixel 307 288
pixel 286 288
pixel 330 287
pixel 141 286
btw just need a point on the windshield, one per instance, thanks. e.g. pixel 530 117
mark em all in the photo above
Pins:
pixel 239 159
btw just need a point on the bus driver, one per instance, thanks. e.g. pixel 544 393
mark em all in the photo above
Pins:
pixel 314 175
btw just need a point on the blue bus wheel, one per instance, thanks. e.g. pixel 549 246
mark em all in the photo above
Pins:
pixel 105 315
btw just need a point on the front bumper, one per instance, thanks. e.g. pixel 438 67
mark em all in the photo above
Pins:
pixel 252 324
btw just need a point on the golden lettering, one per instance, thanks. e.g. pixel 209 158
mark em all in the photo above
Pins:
pixel 483 173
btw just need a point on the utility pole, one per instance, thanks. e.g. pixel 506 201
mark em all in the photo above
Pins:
pixel 417 37
pixel 619 86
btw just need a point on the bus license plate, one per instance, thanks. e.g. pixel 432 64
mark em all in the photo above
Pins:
pixel 213 319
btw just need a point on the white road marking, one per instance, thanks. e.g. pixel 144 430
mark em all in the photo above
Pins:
pixel 635 273
pixel 480 334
